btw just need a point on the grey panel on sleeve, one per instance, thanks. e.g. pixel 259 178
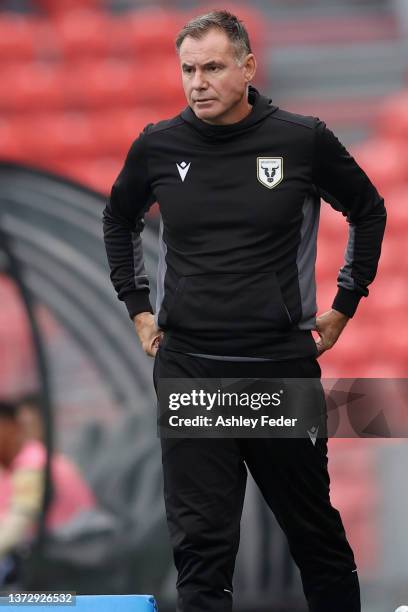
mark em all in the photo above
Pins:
pixel 306 259
pixel 344 278
pixel 161 271
pixel 139 273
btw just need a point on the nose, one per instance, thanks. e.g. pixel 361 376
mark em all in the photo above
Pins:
pixel 199 81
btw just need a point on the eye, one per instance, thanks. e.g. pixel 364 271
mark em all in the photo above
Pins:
pixel 187 70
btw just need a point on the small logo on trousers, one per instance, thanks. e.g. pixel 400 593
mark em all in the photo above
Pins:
pixel 313 431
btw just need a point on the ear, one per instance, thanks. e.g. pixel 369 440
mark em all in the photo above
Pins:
pixel 250 66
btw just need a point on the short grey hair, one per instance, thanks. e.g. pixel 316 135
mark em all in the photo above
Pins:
pixel 224 21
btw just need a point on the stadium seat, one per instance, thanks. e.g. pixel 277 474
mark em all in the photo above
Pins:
pixel 146 34
pixel 98 84
pixel 389 292
pixel 397 221
pixel 389 261
pixel 31 87
pixel 115 130
pixel 97 173
pixel 83 34
pixel 102 173
pixel 17 40
pixel 333 224
pixel 332 30
pixel 355 494
pixel 53 7
pixel 118 83
pixel 393 117
pixel 50 136
pixel 383 161
pixel 329 258
pixel 160 81
pixel 359 343
pixel 10 147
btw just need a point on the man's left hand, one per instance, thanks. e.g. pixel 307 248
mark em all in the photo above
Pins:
pixel 329 326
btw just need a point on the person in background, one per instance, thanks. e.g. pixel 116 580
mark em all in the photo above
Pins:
pixel 31 417
pixel 22 477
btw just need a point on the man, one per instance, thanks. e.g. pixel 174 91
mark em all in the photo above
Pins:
pixel 239 182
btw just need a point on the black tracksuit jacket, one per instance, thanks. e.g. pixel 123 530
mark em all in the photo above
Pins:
pixel 240 209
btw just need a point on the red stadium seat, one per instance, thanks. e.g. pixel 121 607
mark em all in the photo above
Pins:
pixel 355 494
pixel 327 263
pixel 333 224
pixel 27 38
pixel 99 84
pixel 83 34
pixel 53 7
pixel 100 174
pixel 396 203
pixel 115 130
pixel 31 87
pixel 384 162
pixel 118 83
pixel 390 258
pixel 10 147
pixel 146 33
pixel 358 342
pixel 160 82
pixel 393 117
pixel 389 293
pixel 46 137
pixel 97 173
pixel 17 39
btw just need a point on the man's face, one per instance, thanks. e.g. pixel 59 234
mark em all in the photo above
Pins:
pixel 214 83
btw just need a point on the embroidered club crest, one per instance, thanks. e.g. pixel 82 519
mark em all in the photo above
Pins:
pixel 270 171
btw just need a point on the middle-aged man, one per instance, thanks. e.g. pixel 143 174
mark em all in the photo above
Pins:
pixel 239 181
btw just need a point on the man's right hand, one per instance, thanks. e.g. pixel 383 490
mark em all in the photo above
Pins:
pixel 149 334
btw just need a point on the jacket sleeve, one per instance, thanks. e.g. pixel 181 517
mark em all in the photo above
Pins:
pixel 346 187
pixel 123 222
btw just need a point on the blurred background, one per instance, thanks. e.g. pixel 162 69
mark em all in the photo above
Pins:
pixel 79 80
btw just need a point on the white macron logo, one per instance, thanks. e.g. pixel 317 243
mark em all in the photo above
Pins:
pixel 313 431
pixel 183 168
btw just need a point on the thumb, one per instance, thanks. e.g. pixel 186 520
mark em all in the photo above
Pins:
pixel 320 348
pixel 158 338
pixel 320 343
pixel 318 324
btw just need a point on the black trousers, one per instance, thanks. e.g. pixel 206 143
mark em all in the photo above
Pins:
pixel 204 487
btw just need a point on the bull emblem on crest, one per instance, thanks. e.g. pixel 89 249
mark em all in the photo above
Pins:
pixel 270 171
